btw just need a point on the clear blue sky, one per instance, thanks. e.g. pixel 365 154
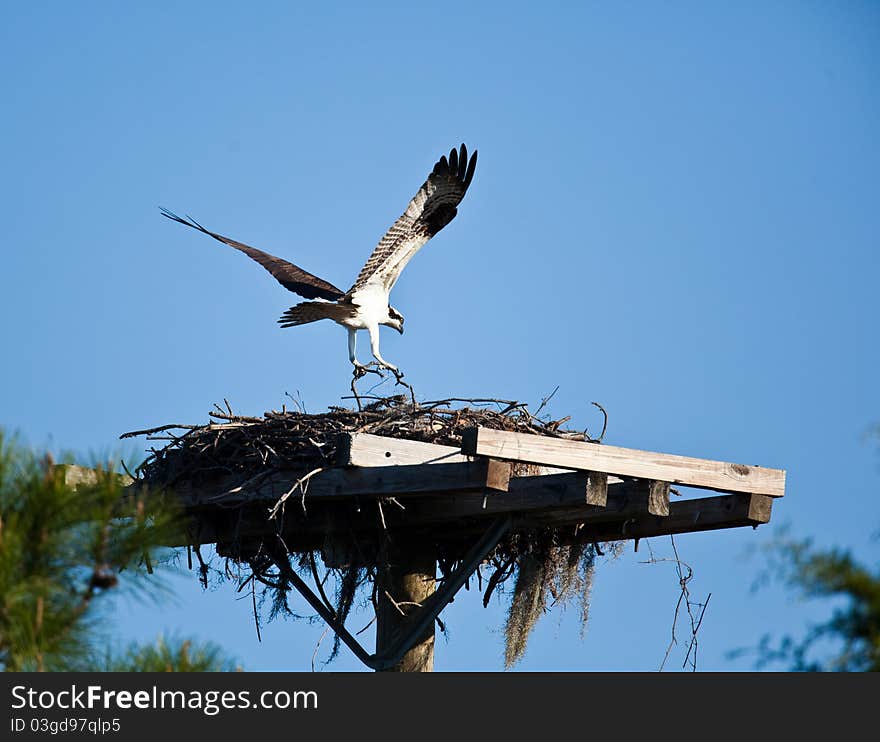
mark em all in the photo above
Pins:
pixel 675 213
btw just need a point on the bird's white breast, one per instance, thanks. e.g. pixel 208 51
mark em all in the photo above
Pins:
pixel 372 304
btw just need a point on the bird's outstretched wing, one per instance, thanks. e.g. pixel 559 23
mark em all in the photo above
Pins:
pixel 431 209
pixel 292 277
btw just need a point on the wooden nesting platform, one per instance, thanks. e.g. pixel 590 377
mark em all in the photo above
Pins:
pixel 588 491
pixel 401 505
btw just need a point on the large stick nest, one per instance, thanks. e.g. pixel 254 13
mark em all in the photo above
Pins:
pixel 294 440
pixel 542 570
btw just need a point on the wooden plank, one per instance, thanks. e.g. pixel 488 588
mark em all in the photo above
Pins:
pixel 685 516
pixel 464 512
pixel 626 462
pixel 558 500
pixel 525 494
pixel 365 449
pixel 83 476
pixel 597 488
pixel 447 518
pixel 348 482
pixel 658 497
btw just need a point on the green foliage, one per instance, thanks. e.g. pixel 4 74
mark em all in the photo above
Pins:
pixel 849 641
pixel 61 553
pixel 176 655
pixel 850 638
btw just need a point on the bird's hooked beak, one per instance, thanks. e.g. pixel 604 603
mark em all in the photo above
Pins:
pixel 395 320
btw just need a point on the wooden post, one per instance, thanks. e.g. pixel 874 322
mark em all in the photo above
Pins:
pixel 409 579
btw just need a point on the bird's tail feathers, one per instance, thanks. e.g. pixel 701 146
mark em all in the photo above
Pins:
pixel 312 311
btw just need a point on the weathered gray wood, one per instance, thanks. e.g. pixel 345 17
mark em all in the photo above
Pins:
pixel 452 500
pixel 658 497
pixel 83 476
pixel 444 517
pixel 377 481
pixel 540 492
pixel 685 516
pixel 405 584
pixel 625 462
pixel 597 488
pixel 365 449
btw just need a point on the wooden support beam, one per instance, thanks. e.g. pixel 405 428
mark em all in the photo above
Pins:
pixel 335 483
pixel 626 462
pixel 524 494
pixel 404 642
pixel 448 501
pixel 533 502
pixel 447 511
pixel 406 581
pixel 365 449
pixel 685 516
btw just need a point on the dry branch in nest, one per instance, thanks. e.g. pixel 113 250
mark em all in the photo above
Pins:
pixel 537 569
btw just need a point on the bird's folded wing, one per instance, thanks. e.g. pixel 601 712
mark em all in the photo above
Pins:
pixel 292 277
pixel 431 209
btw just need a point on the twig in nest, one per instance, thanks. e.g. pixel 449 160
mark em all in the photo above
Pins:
pixel 695 625
pixel 319 584
pixel 399 381
pixel 398 603
pixel 556 423
pixel 254 606
pixel 545 401
pixel 381 514
pixel 259 476
pixel 604 425
pixel 247 580
pixel 150 431
pixel 694 630
pixel 300 405
pixel 685 574
pixel 203 568
pixel 499 575
pixel 301 482
pixel 357 373
pixel 125 468
pixel 369 623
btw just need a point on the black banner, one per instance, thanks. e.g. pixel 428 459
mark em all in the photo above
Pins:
pixel 133 706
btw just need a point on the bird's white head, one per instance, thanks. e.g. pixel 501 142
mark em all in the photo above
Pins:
pixel 395 320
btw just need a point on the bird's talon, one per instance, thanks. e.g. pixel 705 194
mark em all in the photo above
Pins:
pixel 360 370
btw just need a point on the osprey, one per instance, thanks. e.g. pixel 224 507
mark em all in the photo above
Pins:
pixel 365 305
